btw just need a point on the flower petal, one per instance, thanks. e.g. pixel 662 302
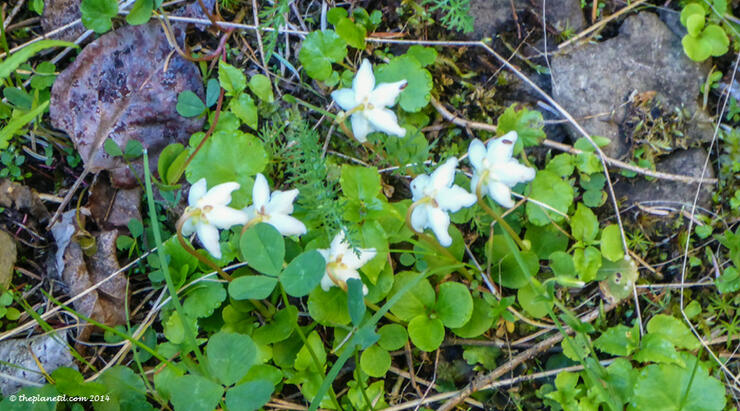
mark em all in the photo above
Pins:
pixel 444 175
pixel 345 98
pixel 476 153
pixel 439 221
pixel 338 245
pixel 420 217
pixel 418 187
pixel 260 192
pixel 360 127
pixel 512 173
pixel 250 212
pixel 501 194
pixel 364 81
pixel 385 94
pixel 218 195
pixel 454 198
pixel 188 227
pixel 208 236
pixel 474 185
pixel 286 224
pixel 354 261
pixel 281 202
pixel 386 121
pixel 501 149
pixel 197 191
pixel 224 217
pixel 326 282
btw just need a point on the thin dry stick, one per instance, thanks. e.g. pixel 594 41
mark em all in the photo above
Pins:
pixel 459 121
pixel 404 374
pixel 486 380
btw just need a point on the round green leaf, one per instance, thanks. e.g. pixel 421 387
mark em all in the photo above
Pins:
pixel 140 12
pixel 245 109
pixel 618 279
pixel 189 104
pixel 252 287
pixel 715 38
pixel 97 14
pixel 416 301
pixel 691 9
pixel 669 387
pixel 454 304
pixel 319 50
pixel 263 247
pixel 328 307
pixel 584 225
pixel 480 321
pixel 695 48
pixel 249 396
pixel 505 270
pixel 231 78
pixel 548 188
pixel 417 93
pixel 611 243
pixel 351 32
pixel 424 55
pixel 673 330
pixel 230 355
pixel 695 24
pixel 195 393
pixel 281 327
pixel 213 90
pixel 533 302
pixel 375 361
pixel 392 337
pixel 426 333
pixel 261 87
pixel 303 274
pixel 203 299
pixel 229 156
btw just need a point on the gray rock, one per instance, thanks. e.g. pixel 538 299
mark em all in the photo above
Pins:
pixel 19 367
pixel 561 14
pixel 645 56
pixel 8 255
pixel 492 16
pixel 675 194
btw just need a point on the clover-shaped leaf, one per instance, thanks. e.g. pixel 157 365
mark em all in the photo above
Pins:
pixel 319 51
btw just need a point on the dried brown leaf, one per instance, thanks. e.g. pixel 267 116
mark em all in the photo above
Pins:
pixel 58 13
pixel 113 207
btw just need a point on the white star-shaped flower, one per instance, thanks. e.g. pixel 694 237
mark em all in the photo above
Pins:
pixel 342 263
pixel 209 213
pixel 368 104
pixel 274 209
pixel 497 168
pixel 435 196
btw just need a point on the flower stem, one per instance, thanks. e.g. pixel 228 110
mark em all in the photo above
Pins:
pixel 194 253
pixel 496 216
pixel 431 241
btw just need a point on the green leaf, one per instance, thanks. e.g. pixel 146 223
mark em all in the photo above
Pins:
pixel 140 12
pixel 230 355
pixel 392 337
pixel 351 32
pixel 426 333
pixel 695 24
pixel 548 188
pixel 617 278
pixel 715 38
pixel 656 348
pixel 545 240
pixel 587 262
pixel 16 123
pixel 729 281
pixel 691 9
pixel 416 301
pixel 424 55
pixel 125 388
pixel 263 248
pixel 231 78
pixel 245 109
pixel 69 381
pixel 304 360
pixel 189 104
pixel 611 243
pixel 375 361
pixel 335 14
pixel 480 321
pixel 195 393
pixel 203 299
pixel 417 93
pixel 11 63
pixel 281 327
pixel 328 307
pixel 319 50
pixel 618 340
pixel 355 301
pixel 673 330
pixel 534 303
pixel 250 395
pixel 229 156
pixel 167 159
pixel 504 268
pixel 484 355
pixel 562 164
pixel 97 14
pixel 454 304
pixel 19 98
pixel 133 149
pixel 695 49
pixel 584 225
pixel 303 274
pixel 261 87
pixel 527 123
pixel 252 287
pixel 111 148
pixel 213 90
pixel 47 391
pixel 668 387
pixel 361 183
